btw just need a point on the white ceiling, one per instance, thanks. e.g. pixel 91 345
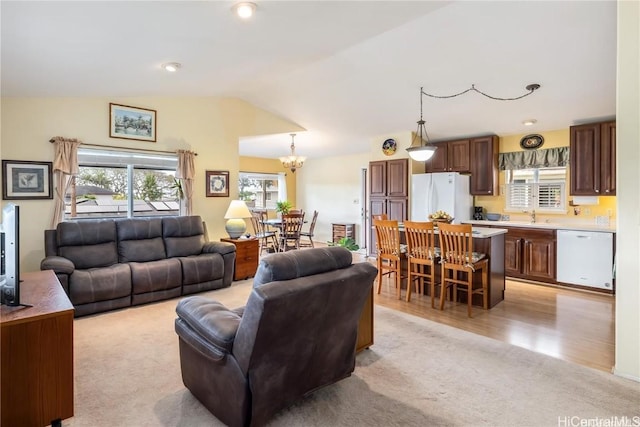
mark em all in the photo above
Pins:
pixel 347 71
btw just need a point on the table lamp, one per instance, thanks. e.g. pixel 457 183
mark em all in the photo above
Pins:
pixel 235 215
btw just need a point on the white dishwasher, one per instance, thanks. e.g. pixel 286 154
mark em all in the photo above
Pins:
pixel 585 258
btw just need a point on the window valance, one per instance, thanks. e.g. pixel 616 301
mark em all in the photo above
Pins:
pixel 548 158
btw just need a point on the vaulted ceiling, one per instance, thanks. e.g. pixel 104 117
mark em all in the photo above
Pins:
pixel 346 71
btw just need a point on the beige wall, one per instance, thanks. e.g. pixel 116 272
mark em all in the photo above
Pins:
pixel 628 190
pixel 209 126
pixel 552 139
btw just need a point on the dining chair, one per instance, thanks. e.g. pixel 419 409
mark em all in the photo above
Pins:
pixel 422 256
pixel 457 256
pixel 309 233
pixel 380 216
pixel 263 235
pixel 390 252
pixel 289 235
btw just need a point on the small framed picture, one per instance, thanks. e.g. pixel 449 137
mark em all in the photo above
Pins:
pixel 24 180
pixel 132 123
pixel 217 183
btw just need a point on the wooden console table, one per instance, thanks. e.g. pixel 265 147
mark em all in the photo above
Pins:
pixel 37 354
pixel 340 230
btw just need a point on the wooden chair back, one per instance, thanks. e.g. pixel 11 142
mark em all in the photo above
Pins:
pixel 383 217
pixel 456 242
pixel 422 256
pixel 290 231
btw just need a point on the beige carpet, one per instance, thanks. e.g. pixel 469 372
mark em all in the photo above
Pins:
pixel 418 373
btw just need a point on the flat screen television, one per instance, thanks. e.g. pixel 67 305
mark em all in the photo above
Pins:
pixel 10 250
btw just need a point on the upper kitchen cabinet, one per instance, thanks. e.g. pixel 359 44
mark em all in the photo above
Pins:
pixel 484 165
pixel 389 178
pixel 593 159
pixel 450 156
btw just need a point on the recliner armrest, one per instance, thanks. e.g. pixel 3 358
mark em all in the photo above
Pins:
pixel 218 248
pixel 207 324
pixel 58 264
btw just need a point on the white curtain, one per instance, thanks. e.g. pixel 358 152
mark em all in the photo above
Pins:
pixel 282 186
pixel 65 166
pixel 185 173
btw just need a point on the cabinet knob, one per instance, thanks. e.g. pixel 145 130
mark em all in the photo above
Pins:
pixel 606 191
pixel 597 191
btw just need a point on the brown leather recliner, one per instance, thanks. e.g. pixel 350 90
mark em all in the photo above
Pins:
pixel 296 334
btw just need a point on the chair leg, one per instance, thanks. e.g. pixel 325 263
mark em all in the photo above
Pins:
pixel 469 292
pixel 485 289
pixel 399 280
pixel 379 274
pixel 409 281
pixel 443 288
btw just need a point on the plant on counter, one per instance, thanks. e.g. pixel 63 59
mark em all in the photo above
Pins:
pixel 346 242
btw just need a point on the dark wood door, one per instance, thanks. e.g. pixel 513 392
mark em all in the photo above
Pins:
pixel 397 209
pixel 540 259
pixel 484 166
pixel 398 178
pixel 438 162
pixel 458 156
pixel 608 158
pixel 378 179
pixel 512 255
pixel 584 160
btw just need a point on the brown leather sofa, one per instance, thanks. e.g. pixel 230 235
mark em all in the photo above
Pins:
pixel 113 263
pixel 296 334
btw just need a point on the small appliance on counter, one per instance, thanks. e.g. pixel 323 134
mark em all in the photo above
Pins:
pixel 477 213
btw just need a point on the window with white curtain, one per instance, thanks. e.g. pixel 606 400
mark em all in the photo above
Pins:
pixel 262 190
pixel 114 183
pixel 542 189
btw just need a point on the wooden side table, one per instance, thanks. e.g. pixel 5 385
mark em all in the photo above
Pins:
pixel 247 255
pixel 37 354
pixel 341 230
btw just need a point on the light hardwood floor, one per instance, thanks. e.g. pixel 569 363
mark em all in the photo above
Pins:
pixel 573 325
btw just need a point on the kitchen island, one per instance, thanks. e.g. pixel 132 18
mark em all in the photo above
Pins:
pixel 489 241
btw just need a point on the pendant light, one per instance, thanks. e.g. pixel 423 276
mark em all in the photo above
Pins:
pixel 421 151
pixel 293 162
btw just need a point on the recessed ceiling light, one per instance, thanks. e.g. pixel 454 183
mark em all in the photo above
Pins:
pixel 244 10
pixel 171 67
pixel 529 122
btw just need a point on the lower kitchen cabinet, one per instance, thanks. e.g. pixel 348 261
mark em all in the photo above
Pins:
pixel 530 254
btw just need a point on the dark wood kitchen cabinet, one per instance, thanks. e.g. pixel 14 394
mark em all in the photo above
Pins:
pixel 450 156
pixel 530 254
pixel 388 191
pixel 593 159
pixel 484 165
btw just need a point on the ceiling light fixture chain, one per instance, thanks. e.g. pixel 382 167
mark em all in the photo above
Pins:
pixel 531 88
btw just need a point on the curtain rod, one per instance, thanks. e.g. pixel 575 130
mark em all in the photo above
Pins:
pixel 125 148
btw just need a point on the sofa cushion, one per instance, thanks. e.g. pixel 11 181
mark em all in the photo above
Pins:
pixel 88 244
pixel 100 284
pixel 290 265
pixel 155 275
pixel 183 236
pixel 140 240
pixel 202 268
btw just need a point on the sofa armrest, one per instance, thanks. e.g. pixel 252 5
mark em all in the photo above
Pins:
pixel 207 324
pixel 218 248
pixel 58 264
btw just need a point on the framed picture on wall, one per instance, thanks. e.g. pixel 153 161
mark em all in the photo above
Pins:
pixel 24 180
pixel 132 123
pixel 217 183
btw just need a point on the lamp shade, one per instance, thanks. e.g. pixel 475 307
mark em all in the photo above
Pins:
pixel 235 225
pixel 421 154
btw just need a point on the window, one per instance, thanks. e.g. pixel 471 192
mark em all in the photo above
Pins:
pixel 261 190
pixel 542 189
pixel 123 184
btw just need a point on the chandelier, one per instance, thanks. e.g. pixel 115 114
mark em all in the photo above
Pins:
pixel 293 162
pixel 420 149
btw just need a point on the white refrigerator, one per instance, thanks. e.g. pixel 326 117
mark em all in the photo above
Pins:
pixel 446 191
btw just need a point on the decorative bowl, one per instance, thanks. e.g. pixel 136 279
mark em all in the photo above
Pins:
pixel 445 220
pixel 494 216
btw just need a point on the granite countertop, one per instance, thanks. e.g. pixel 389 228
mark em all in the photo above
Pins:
pixel 478 232
pixel 546 225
